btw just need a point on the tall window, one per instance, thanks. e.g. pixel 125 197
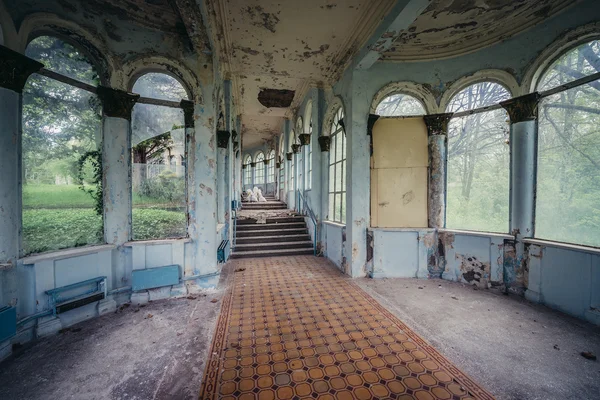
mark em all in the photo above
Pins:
pixel 400 105
pixel 248 170
pixel 337 171
pixel 271 167
pixel 259 171
pixel 282 166
pixel 478 161
pixel 158 152
pixel 568 181
pixel 308 129
pixel 293 162
pixel 62 143
pixel 300 161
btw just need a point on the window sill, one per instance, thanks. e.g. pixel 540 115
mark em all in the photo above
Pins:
pixel 477 233
pixel 336 224
pixel 67 253
pixel 154 242
pixel 416 230
pixel 561 245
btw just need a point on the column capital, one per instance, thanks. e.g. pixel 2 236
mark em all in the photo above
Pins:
pixel 188 112
pixel 304 139
pixel 117 103
pixel 324 143
pixel 266 162
pixel 15 68
pixel 253 164
pixel 522 108
pixel 296 148
pixel 222 139
pixel 289 156
pixel 437 124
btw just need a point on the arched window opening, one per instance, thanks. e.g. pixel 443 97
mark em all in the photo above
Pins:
pixel 309 149
pixel 282 164
pixel 337 170
pixel 568 170
pixel 400 105
pixel 259 173
pixel 301 153
pixel 478 161
pixel 247 170
pixel 292 140
pixel 61 150
pixel 271 167
pixel 158 185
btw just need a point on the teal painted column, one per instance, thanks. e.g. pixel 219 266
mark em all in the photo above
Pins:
pixel 523 165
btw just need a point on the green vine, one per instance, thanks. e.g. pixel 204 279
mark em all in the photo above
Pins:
pixel 95 157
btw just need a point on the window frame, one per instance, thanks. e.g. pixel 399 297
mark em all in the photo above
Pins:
pixel 337 134
pixel 259 169
pixel 271 167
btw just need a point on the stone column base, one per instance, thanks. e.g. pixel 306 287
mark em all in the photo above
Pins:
pixel 48 326
pixel 140 297
pixel 106 306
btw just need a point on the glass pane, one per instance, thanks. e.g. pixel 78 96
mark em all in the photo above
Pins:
pixel 478 172
pixel 338 177
pixel 338 207
pixel 399 104
pixel 331 216
pixel 332 178
pixel 343 220
pixel 158 173
pixel 568 182
pixel 577 63
pixel 478 95
pixel 160 86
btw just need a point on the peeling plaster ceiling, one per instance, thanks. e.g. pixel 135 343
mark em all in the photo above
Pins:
pixel 449 28
pixel 288 45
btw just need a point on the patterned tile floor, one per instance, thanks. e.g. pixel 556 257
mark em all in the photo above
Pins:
pixel 296 328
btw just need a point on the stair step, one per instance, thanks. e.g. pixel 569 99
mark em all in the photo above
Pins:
pixel 272 253
pixel 279 232
pixel 269 226
pixel 276 220
pixel 272 239
pixel 273 246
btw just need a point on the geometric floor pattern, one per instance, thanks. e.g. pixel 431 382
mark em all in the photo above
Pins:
pixel 296 328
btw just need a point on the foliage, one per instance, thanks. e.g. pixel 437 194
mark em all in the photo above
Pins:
pixel 55 197
pixel 397 105
pixel 92 159
pixel 151 223
pixel 166 187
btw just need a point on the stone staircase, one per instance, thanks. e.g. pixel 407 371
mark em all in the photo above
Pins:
pixel 279 236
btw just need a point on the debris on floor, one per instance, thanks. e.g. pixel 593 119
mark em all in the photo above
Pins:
pixel 588 355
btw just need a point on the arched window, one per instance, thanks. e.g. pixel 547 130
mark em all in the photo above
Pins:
pixel 259 172
pixel 568 183
pixel 337 170
pixel 301 153
pixel 247 170
pixel 282 164
pixel 478 161
pixel 400 105
pixel 61 148
pixel 271 167
pixel 308 129
pixel 292 140
pixel 157 134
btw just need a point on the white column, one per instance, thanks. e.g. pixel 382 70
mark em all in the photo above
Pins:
pixel 116 163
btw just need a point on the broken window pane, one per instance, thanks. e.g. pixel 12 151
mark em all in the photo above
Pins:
pixel 568 198
pixel 478 161
pixel 158 161
pixel 400 105
pixel 62 143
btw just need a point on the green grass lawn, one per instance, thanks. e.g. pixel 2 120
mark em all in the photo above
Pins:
pixel 62 216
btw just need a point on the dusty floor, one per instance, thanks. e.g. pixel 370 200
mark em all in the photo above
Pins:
pixel 513 348
pixel 156 351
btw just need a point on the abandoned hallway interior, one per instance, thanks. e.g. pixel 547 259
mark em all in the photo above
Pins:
pixel 316 199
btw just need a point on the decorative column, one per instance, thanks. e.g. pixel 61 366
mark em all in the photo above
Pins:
pixel 253 179
pixel 523 148
pixel 116 163
pixel 15 68
pixel 222 179
pixel 229 160
pixel 437 132
pixel 295 154
pixel 324 147
pixel 190 138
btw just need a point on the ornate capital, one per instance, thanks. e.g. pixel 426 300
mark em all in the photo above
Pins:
pixel 289 156
pixel 117 103
pixel 296 148
pixel 236 145
pixel 188 112
pixel 15 68
pixel 222 139
pixel 304 139
pixel 371 123
pixel 437 124
pixel 244 166
pixel 253 164
pixel 277 165
pixel 233 134
pixel 523 108
pixel 324 143
pixel 266 162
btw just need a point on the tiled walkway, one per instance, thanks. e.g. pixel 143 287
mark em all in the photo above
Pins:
pixel 296 328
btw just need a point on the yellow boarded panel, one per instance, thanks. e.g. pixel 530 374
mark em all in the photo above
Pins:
pixel 400 142
pixel 402 197
pixel 374 197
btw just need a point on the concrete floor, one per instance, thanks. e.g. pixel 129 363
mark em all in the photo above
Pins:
pixel 513 348
pixel 156 351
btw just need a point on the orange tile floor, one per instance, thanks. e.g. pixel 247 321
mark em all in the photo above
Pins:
pixel 296 328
